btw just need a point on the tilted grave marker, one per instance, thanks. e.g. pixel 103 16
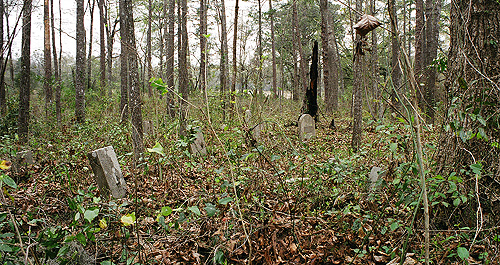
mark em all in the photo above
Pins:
pixel 198 147
pixel 107 172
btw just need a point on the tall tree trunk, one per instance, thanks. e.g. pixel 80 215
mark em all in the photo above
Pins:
pixel 24 88
pixel 3 96
pixel 203 45
pixel 223 59
pixel 89 59
pixel 419 48
pixel 357 123
pixel 473 84
pixel 80 63
pixel 11 63
pixel 124 53
pixel 378 108
pixel 149 68
pixel 235 68
pixel 102 57
pixel 273 49
pixel 395 66
pixel 312 90
pixel 259 48
pixel 327 61
pixel 110 36
pixel 183 67
pixel 170 56
pixel 303 71
pixel 47 64
pixel 57 76
pixel 133 71
pixel 433 9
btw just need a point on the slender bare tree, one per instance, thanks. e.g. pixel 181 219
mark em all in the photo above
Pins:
pixel 203 45
pixel 273 48
pixel 80 62
pixel 24 88
pixel 47 63
pixel 57 76
pixel 102 35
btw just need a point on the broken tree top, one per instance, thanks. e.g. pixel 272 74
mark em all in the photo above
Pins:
pixel 366 24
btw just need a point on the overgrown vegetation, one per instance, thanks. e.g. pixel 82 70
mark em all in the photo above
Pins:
pixel 277 201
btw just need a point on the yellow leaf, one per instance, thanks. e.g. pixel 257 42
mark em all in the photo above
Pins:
pixel 5 164
pixel 103 224
pixel 128 219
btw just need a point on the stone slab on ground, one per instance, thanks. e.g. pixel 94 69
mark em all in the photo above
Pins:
pixel 23 159
pixel 198 147
pixel 307 128
pixel 107 172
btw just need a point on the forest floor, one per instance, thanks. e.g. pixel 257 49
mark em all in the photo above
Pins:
pixel 279 201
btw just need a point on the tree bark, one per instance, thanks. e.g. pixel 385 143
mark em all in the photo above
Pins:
pixel 303 71
pixel 3 96
pixel 203 45
pixel 149 68
pixel 170 56
pixel 273 49
pixel 433 9
pixel 89 59
pixel 473 84
pixel 110 34
pixel 183 67
pixel 419 47
pixel 47 64
pixel 235 67
pixel 378 108
pixel 395 66
pixel 312 89
pixel 102 57
pixel 80 63
pixel 57 76
pixel 224 54
pixel 124 53
pixel 24 88
pixel 259 48
pixel 133 72
pixel 357 123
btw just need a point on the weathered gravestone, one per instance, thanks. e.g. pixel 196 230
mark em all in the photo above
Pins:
pixel 107 172
pixel 256 129
pixel 306 127
pixel 373 178
pixel 198 147
pixel 23 159
pixel 248 116
pixel 148 127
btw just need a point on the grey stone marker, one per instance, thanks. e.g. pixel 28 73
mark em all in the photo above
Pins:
pixel 23 158
pixel 306 127
pixel 107 172
pixel 373 177
pixel 148 127
pixel 198 147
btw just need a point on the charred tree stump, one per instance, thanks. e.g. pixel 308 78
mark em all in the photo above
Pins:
pixel 311 99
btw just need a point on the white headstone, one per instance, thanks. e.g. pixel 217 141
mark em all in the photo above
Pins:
pixel 375 173
pixel 198 147
pixel 107 172
pixel 306 127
